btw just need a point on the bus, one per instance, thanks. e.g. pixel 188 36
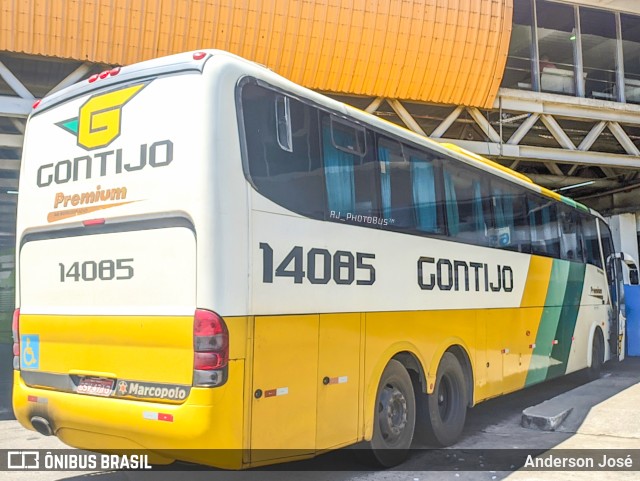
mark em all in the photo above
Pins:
pixel 217 265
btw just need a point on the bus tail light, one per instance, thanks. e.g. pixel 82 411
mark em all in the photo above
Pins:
pixel 210 349
pixel 15 331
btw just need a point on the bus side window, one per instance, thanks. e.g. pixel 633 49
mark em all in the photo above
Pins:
pixel 282 150
pixel 545 237
pixel 467 205
pixel 408 186
pixel 424 191
pixel 395 185
pixel 511 223
pixel 283 123
pixel 589 236
pixel 607 240
pixel 351 175
pixel 570 245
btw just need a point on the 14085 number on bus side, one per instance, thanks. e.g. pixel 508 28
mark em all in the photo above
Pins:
pixel 341 266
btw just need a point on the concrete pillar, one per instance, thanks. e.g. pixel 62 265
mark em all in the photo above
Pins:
pixel 625 234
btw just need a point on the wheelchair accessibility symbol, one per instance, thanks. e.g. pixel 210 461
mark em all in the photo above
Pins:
pixel 30 355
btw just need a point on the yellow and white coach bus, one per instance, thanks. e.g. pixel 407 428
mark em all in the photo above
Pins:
pixel 224 267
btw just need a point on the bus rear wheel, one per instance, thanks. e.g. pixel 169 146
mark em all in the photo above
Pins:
pixel 394 418
pixel 441 415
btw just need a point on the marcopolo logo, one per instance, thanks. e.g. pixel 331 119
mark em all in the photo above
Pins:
pixel 152 390
pixel 99 119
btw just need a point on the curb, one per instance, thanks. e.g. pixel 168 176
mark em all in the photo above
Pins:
pixel 543 422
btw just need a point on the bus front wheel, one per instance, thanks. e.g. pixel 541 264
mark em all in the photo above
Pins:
pixel 441 415
pixel 597 357
pixel 394 418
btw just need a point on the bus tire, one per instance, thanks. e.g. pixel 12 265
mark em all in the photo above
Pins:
pixel 394 417
pixel 442 414
pixel 597 356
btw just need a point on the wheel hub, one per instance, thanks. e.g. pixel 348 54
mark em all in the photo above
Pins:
pixel 392 413
pixel 444 398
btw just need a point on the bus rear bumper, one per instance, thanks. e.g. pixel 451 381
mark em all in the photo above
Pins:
pixel 207 428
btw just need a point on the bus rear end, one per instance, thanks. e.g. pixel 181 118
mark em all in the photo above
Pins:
pixel 112 348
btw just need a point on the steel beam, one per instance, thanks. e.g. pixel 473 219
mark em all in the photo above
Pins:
pixel 8 199
pixel 484 124
pixel 14 106
pixel 553 168
pixel 19 124
pixel 13 82
pixel 10 164
pixel 556 181
pixel 612 191
pixel 9 184
pixel 11 140
pixel 524 129
pixel 405 116
pixel 7 210
pixel 619 133
pixel 375 105
pixel 441 129
pixel 557 132
pixel 566 106
pixel 486 148
pixel 592 136
pixel 576 156
pixel 72 78
pixel 541 154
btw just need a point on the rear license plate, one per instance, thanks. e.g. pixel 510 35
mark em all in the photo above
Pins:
pixel 95 386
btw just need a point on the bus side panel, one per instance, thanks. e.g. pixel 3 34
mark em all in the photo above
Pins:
pixel 511 335
pixel 569 314
pixel 594 312
pixel 338 380
pixel 549 323
pixel 285 364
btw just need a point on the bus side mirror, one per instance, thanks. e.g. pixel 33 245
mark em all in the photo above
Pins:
pixel 631 268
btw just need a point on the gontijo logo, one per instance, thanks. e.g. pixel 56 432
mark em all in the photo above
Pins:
pixel 98 122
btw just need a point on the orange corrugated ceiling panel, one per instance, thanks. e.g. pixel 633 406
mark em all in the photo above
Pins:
pixel 441 51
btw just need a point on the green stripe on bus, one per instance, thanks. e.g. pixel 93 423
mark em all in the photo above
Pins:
pixel 573 203
pixel 548 322
pixel 568 318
